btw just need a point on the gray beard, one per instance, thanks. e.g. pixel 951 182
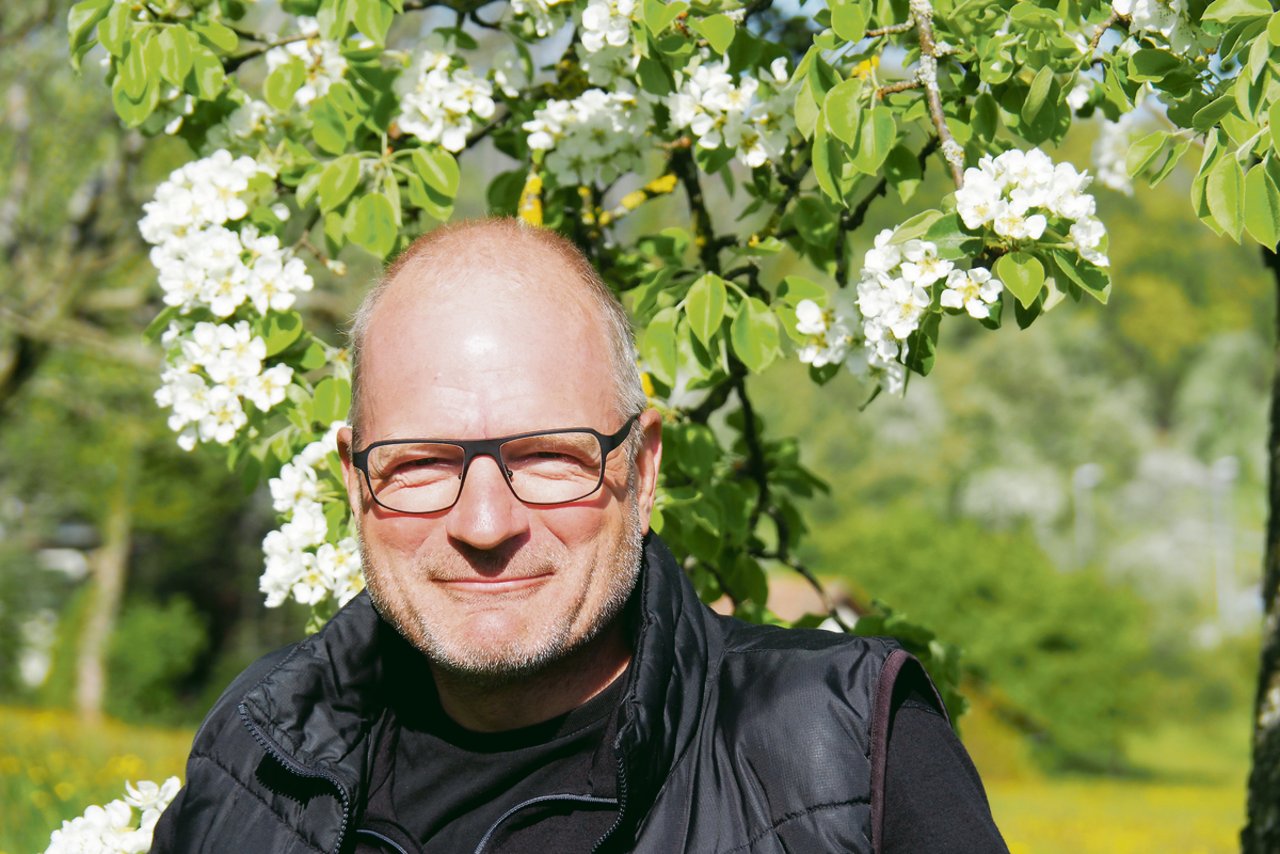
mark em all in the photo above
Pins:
pixel 490 667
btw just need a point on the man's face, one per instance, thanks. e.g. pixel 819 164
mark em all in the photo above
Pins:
pixel 492 586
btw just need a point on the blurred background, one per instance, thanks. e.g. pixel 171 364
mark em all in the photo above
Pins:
pixel 1079 508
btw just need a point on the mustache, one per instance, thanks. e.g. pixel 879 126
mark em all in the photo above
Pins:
pixel 508 562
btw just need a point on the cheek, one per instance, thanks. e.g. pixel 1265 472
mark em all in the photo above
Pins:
pixel 400 535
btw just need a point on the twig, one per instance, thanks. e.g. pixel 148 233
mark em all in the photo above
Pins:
pixel 900 86
pixel 756 466
pixel 891 29
pixel 1110 22
pixel 922 15
pixel 687 171
pixel 238 60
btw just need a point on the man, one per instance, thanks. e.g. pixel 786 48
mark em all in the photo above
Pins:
pixel 530 670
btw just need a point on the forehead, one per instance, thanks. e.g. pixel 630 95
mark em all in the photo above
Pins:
pixel 485 352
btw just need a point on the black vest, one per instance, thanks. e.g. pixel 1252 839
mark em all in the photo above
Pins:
pixel 731 737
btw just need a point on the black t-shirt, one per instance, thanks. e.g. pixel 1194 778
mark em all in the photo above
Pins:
pixel 438 787
pixel 552 787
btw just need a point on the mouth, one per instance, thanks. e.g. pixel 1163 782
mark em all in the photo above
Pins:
pixel 494 586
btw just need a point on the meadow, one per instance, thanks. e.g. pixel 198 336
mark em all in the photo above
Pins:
pixel 1185 794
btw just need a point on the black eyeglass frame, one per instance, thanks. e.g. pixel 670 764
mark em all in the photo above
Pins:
pixel 492 448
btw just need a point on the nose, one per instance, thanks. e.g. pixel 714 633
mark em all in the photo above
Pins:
pixel 486 514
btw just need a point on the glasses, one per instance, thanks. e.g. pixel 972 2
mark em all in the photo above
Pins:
pixel 548 467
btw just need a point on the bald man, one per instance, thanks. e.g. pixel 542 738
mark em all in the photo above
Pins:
pixel 529 670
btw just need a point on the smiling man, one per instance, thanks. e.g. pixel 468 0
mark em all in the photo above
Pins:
pixel 530 670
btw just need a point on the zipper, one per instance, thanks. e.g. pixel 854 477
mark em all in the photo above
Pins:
pixel 580 799
pixel 622 806
pixel 300 770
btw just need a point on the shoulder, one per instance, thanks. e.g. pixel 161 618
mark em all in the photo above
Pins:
pixel 810 683
pixel 226 708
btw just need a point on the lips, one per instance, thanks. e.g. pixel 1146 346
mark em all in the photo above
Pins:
pixel 495 586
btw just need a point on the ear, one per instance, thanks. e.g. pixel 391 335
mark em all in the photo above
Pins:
pixel 351 476
pixel 648 462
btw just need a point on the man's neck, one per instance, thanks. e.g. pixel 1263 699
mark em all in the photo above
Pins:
pixel 556 689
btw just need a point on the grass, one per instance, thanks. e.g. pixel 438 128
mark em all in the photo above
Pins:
pixel 1189 800
pixel 52 767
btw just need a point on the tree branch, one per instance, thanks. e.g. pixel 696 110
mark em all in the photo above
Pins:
pixel 922 15
pixel 1110 22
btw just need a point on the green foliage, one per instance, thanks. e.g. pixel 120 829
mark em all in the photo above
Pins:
pixel 1065 651
pixel 153 650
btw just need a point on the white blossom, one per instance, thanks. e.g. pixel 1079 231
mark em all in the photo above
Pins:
pixel 545 16
pixel 722 112
pixel 299 563
pixel 439 102
pixel 607 22
pixel 321 58
pixel 973 290
pixel 1110 150
pixel 1019 195
pixel 113 828
pixel 593 138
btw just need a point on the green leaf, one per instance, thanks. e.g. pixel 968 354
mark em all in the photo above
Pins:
pixel 313 357
pixel 1211 113
pixel 718 30
pixel 1023 274
pixel 919 225
pixel 1036 95
pixel 1273 118
pixel 986 116
pixel 1092 280
pixel 922 344
pixel 902 168
pixel 1144 151
pixel 338 181
pixel 849 19
pixel 1151 66
pixel 658 345
pixel 1273 30
pixel 806 112
pixel 207 71
pixel 754 334
pixel 826 157
pixel 375 224
pixel 331 400
pixel 283 82
pixel 175 54
pixel 81 20
pixel 1225 11
pixel 1224 192
pixel 282 330
pixel 875 139
pixel 1180 148
pixel 704 306
pixel 216 35
pixel 439 170
pixel 659 15
pixel 113 32
pixel 842 108
pixel 949 235
pixel 133 71
pixel 1261 207
pixel 133 111
pixel 373 18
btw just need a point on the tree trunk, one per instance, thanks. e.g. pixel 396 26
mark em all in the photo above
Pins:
pixel 107 566
pixel 1261 834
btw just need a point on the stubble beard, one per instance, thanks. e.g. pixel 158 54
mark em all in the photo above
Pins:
pixel 504 662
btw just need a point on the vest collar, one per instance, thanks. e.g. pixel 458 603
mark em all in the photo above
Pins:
pixel 317 707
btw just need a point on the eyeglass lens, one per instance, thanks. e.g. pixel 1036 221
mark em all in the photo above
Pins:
pixel 423 477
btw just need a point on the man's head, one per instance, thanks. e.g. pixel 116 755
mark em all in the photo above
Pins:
pixel 484 330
